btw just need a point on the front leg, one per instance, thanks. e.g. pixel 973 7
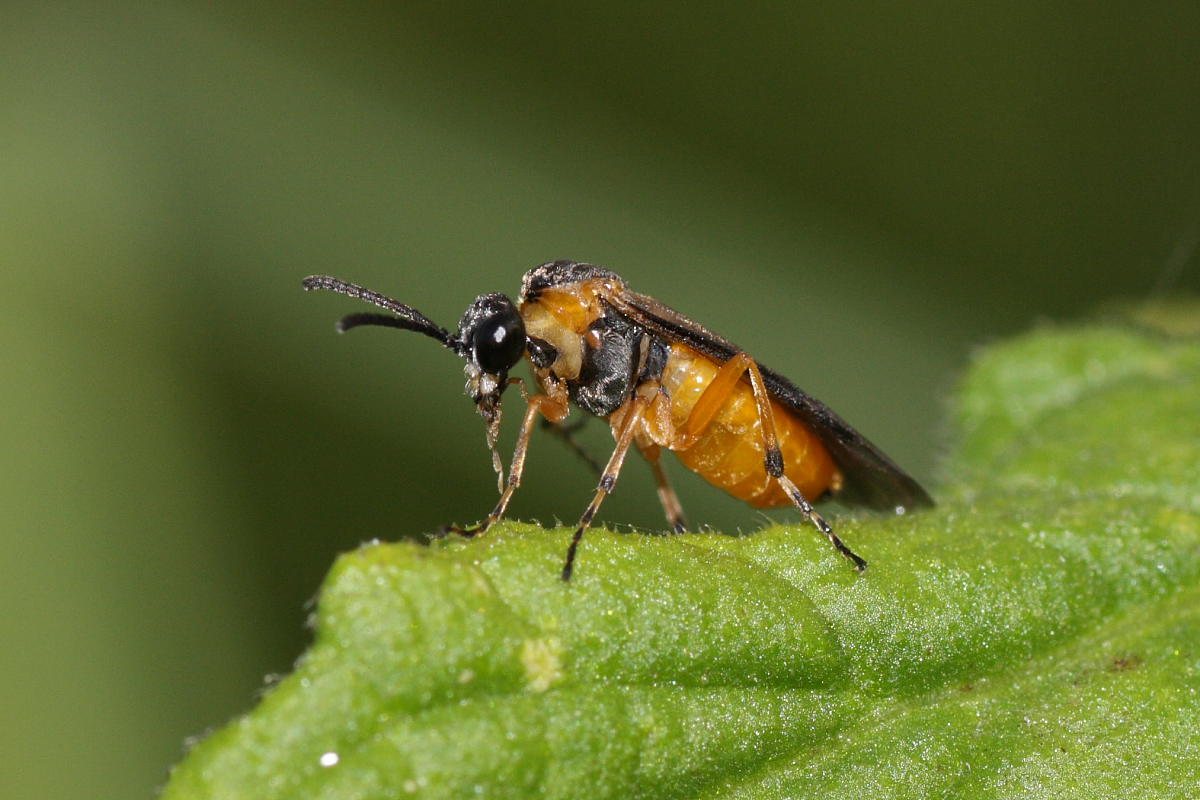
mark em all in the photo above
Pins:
pixel 553 409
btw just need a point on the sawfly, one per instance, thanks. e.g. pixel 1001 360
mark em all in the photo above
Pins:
pixel 662 381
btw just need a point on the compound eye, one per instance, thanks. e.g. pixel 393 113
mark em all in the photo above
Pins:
pixel 499 341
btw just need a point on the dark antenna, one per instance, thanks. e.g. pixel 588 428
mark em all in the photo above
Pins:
pixel 406 317
pixel 367 318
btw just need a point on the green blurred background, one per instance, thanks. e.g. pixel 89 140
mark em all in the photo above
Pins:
pixel 859 195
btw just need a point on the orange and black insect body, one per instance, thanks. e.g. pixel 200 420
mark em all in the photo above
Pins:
pixel 662 381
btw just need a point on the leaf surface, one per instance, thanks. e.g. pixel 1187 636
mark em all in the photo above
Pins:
pixel 1035 635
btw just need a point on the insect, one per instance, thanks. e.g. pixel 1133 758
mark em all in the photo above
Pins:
pixel 662 381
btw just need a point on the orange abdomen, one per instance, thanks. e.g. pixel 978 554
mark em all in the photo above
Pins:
pixel 729 452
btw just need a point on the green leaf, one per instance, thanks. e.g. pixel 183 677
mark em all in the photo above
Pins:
pixel 1038 634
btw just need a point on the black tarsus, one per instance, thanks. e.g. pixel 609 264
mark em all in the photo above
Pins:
pixel 569 566
pixel 806 508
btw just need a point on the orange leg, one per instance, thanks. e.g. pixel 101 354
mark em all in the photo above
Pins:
pixel 538 405
pixel 666 494
pixel 715 395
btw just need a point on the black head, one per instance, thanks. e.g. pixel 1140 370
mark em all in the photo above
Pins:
pixel 493 334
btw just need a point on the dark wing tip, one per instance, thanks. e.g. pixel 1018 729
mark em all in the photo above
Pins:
pixel 869 478
pixel 878 485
